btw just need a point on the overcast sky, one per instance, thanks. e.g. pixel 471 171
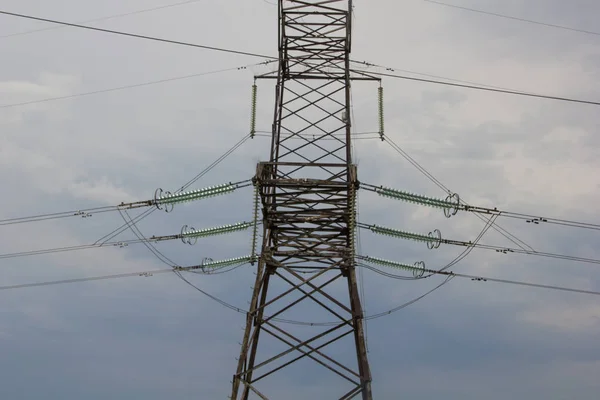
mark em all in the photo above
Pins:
pixel 158 338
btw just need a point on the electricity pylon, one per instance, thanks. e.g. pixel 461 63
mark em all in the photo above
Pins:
pixel 307 189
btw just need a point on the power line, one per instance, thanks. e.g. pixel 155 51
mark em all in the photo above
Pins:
pixel 308 323
pixel 135 85
pixel 140 239
pixel 529 218
pixel 462 206
pixel 478 278
pixel 489 224
pixel 512 238
pixel 513 18
pixel 79 280
pixel 436 241
pixel 104 18
pixel 416 164
pixel 136 231
pixel 193 269
pixel 122 243
pixel 84 213
pixel 475 87
pixel 456 260
pixel 89 212
pixel 394 69
pixel 146 213
pixel 214 298
pixel 408 303
pixel 520 283
pixel 134 35
pixel 449 275
pixel 161 271
pixel 506 250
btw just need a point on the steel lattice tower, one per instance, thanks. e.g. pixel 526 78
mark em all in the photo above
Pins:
pixel 308 195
